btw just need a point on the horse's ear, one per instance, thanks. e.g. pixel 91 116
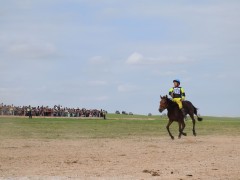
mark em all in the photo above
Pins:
pixel 160 96
pixel 166 96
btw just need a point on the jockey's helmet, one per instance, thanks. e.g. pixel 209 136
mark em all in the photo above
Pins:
pixel 177 80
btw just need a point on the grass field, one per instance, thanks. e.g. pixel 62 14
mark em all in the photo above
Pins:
pixel 115 126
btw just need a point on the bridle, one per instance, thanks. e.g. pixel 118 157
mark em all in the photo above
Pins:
pixel 163 105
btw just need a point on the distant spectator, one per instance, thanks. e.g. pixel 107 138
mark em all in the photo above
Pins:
pixel 29 110
pixel 57 111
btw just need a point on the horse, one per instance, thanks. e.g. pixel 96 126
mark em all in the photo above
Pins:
pixel 175 114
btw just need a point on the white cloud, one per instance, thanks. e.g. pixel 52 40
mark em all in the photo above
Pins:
pixel 102 98
pixel 93 99
pixel 25 4
pixel 97 60
pixel 138 59
pixel 222 76
pixel 169 73
pixel 135 58
pixel 11 95
pixel 31 50
pixel 97 83
pixel 126 88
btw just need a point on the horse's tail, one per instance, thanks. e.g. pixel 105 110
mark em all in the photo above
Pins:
pixel 195 112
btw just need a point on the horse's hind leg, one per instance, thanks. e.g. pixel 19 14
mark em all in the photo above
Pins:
pixel 193 121
pixel 180 130
pixel 168 125
pixel 183 127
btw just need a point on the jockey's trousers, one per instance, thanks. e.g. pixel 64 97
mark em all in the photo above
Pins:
pixel 179 102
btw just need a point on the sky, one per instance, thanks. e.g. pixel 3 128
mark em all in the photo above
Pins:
pixel 120 54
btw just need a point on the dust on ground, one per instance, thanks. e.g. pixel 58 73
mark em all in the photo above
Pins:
pixel 205 157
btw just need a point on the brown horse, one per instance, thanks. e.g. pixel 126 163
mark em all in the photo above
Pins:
pixel 175 114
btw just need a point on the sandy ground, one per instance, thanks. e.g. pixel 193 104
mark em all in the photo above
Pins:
pixel 132 158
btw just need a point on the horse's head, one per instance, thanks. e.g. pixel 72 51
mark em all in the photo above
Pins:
pixel 163 103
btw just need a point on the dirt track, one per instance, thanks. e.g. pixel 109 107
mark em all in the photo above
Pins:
pixel 133 158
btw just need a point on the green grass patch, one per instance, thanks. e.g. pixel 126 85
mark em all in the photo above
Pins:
pixel 116 126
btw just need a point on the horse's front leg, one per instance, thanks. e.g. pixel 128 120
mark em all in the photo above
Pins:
pixel 168 125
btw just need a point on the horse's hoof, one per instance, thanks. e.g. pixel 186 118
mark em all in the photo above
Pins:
pixel 179 137
pixel 194 134
pixel 172 137
pixel 185 134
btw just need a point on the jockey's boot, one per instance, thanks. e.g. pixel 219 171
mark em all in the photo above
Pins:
pixel 184 113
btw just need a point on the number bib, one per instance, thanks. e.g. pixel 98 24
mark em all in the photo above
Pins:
pixel 177 91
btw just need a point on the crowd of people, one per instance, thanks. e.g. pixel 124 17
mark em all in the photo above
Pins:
pixel 56 111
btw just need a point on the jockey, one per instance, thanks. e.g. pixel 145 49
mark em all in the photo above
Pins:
pixel 178 94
